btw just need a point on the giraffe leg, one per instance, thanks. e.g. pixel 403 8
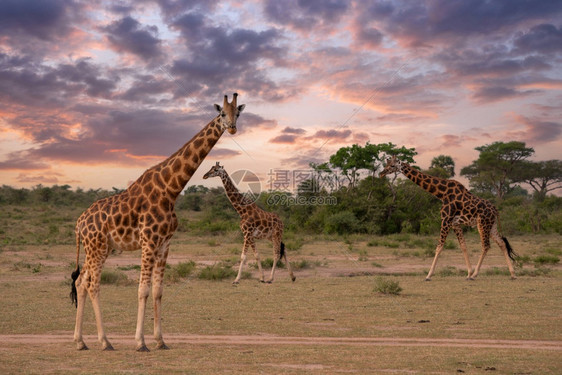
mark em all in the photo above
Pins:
pixel 462 243
pixel 293 278
pixel 499 240
pixel 82 291
pixel 147 266
pixel 247 243
pixel 276 258
pixel 258 260
pixel 444 232
pixel 485 239
pixel 94 292
pixel 157 291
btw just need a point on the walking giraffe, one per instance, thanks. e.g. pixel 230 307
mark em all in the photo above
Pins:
pixel 255 223
pixel 460 207
pixel 141 217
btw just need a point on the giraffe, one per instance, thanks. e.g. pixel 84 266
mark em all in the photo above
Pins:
pixel 255 223
pixel 141 217
pixel 460 207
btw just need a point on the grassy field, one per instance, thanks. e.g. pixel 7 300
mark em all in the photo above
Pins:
pixel 335 318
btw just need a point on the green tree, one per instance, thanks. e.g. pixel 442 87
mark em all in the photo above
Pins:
pixel 543 176
pixel 496 167
pixel 442 166
pixel 349 160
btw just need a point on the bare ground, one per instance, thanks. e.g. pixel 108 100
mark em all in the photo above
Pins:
pixel 33 339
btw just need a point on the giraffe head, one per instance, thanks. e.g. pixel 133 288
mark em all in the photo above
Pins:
pixel 393 165
pixel 216 170
pixel 229 112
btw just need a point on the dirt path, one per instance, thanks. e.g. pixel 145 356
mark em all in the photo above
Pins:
pixel 8 340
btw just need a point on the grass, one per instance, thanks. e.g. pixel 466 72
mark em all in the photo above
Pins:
pixel 317 305
pixel 386 286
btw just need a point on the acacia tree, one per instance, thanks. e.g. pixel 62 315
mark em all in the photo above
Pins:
pixel 543 176
pixel 496 168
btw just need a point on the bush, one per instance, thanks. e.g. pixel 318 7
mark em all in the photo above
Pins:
pixel 343 222
pixel 113 277
pixel 385 286
pixel 217 272
pixel 180 271
pixel 546 259
pixel 268 263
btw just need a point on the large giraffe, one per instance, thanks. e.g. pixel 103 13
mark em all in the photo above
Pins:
pixel 141 217
pixel 255 223
pixel 460 207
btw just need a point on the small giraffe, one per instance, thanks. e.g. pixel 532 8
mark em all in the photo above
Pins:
pixel 459 207
pixel 255 223
pixel 141 217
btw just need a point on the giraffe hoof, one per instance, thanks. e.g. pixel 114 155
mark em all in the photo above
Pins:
pixel 162 346
pixel 142 348
pixel 108 348
pixel 513 277
pixel 268 281
pixel 427 279
pixel 293 279
pixel 81 346
pixel 470 278
pixel 235 282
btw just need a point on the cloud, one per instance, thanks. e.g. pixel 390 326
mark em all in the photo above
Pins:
pixel 128 35
pixel 228 57
pixel 490 94
pixel 537 131
pixel 443 21
pixel 223 153
pixel 332 134
pixel 288 135
pixel 284 138
pixel 306 15
pixel 20 161
pixel 290 130
pixel 544 38
pixel 40 85
pixel 45 20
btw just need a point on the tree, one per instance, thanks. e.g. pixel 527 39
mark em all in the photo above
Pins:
pixel 350 160
pixel 496 167
pixel 543 176
pixel 442 166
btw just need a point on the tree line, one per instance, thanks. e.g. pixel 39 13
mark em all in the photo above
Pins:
pixel 360 201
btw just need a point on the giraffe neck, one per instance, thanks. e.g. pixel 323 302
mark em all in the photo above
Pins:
pixel 173 174
pixel 425 181
pixel 238 200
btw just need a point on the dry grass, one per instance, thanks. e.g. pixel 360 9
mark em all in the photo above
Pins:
pixel 324 302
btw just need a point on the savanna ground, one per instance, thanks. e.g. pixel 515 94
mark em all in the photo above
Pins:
pixel 336 317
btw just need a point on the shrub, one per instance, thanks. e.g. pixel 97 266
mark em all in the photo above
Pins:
pixel 268 263
pixel 385 286
pixel 180 271
pixel 216 272
pixel 546 259
pixel 343 222
pixel 113 277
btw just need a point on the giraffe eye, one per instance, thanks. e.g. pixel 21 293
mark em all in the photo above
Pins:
pixel 223 114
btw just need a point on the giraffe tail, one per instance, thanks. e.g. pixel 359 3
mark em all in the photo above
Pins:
pixel 512 255
pixel 282 251
pixel 76 273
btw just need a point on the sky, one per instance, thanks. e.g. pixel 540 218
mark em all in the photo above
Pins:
pixel 92 93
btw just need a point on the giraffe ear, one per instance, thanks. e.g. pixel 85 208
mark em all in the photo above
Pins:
pixel 241 107
pixel 218 108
